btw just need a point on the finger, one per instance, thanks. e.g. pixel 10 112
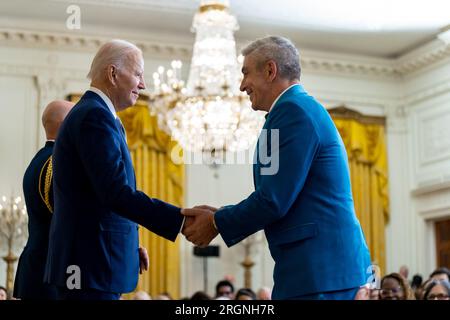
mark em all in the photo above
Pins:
pixel 189 232
pixel 146 263
pixel 194 239
pixel 206 207
pixel 193 212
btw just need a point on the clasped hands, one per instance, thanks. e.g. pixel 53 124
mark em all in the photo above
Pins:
pixel 199 225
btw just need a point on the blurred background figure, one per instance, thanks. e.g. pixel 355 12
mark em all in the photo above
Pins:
pixel 363 293
pixel 395 287
pixel 200 295
pixel 163 296
pixel 141 295
pixel 437 290
pixel 225 288
pixel 416 283
pixel 404 272
pixel 245 294
pixel 265 293
pixel 3 294
pixel 441 273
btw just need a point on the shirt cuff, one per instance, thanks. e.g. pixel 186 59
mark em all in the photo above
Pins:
pixel 182 224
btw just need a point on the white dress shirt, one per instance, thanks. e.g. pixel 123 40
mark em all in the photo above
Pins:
pixel 295 84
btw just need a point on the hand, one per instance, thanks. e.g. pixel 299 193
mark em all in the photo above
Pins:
pixel 143 260
pixel 199 226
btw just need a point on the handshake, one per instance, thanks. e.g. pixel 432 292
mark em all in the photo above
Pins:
pixel 199 226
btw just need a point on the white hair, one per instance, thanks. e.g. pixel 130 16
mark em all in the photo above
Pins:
pixel 279 49
pixel 113 52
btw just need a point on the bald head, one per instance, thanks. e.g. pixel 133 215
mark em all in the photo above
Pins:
pixel 53 116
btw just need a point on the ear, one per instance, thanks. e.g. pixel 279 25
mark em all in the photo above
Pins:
pixel 271 70
pixel 112 74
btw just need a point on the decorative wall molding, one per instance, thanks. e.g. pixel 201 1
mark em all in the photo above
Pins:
pixel 432 91
pixel 384 68
pixel 348 64
pixel 79 41
pixel 41 71
pixel 423 57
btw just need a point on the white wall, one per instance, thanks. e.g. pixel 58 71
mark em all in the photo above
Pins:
pixel 33 74
pixel 425 170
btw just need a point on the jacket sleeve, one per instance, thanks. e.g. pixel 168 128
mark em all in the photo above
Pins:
pixel 293 143
pixel 99 148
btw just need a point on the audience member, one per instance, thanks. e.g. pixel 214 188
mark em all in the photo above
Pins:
pixel 142 295
pixel 3 293
pixel 395 287
pixel 437 290
pixel 224 288
pixel 441 273
pixel 245 294
pixel 200 295
pixel 265 293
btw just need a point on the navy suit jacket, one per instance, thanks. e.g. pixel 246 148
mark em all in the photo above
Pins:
pixel 303 202
pixel 29 282
pixel 97 206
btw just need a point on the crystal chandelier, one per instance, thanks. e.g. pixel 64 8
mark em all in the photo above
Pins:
pixel 209 114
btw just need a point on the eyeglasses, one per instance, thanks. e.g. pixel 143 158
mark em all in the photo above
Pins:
pixel 439 296
pixel 386 292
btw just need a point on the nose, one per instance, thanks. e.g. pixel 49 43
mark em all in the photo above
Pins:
pixel 141 85
pixel 242 86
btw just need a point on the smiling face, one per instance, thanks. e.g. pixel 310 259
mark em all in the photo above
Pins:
pixel 255 84
pixel 391 289
pixel 129 81
pixel 438 292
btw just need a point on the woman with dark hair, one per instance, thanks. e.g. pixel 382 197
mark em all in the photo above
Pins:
pixel 245 294
pixel 395 287
pixel 437 290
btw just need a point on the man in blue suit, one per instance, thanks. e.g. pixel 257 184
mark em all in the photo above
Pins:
pixel 38 193
pixel 302 196
pixel 94 248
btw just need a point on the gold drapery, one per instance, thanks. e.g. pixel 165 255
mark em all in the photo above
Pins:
pixel 160 178
pixel 364 139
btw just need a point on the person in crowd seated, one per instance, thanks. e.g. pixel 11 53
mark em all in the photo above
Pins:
pixel 200 295
pixel 437 290
pixel 142 295
pixel 163 296
pixel 245 294
pixel 404 272
pixel 3 293
pixel 265 293
pixel 416 283
pixel 395 287
pixel 224 288
pixel 442 273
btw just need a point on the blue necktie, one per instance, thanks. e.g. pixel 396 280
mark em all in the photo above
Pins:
pixel 122 129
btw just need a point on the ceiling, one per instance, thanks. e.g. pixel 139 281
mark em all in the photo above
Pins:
pixel 381 28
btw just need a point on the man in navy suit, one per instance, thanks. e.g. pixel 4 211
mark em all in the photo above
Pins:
pixel 38 193
pixel 94 247
pixel 302 196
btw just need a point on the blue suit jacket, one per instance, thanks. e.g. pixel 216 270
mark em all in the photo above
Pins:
pixel 28 283
pixel 97 205
pixel 304 203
